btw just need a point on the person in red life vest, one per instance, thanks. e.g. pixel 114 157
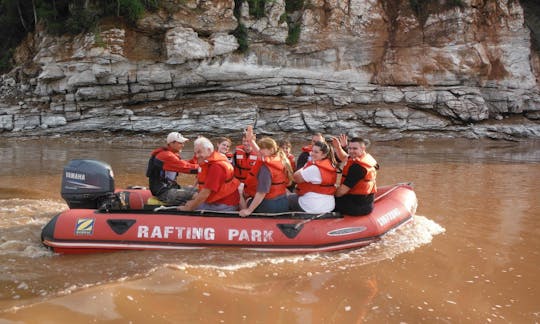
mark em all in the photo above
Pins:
pixel 163 167
pixel 244 158
pixel 265 189
pixel 218 188
pixel 355 195
pixel 223 145
pixel 304 157
pixel 286 147
pixel 316 182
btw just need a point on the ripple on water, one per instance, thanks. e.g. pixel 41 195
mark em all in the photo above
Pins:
pixel 403 239
pixel 33 272
pixel 18 211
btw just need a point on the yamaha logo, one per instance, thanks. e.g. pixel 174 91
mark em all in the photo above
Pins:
pixel 75 176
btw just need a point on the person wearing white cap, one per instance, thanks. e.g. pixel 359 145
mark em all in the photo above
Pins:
pixel 163 167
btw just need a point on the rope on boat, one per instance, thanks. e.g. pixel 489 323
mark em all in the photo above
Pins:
pixel 399 185
pixel 235 213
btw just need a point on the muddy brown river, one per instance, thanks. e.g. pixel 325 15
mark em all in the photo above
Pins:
pixel 472 254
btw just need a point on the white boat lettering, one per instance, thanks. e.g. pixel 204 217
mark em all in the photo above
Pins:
pixel 179 232
pixel 388 217
pixel 75 176
pixel 253 235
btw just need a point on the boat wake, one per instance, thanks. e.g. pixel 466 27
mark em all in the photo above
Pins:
pixel 31 273
pixel 409 237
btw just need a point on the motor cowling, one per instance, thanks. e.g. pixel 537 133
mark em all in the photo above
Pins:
pixel 87 183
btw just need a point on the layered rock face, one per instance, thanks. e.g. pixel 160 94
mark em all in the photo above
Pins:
pixel 384 69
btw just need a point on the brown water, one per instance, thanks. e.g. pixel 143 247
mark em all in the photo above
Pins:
pixel 471 256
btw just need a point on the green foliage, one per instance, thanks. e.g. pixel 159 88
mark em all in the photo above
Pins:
pixel 19 17
pixel 242 37
pixel 256 8
pixel 283 18
pixel 293 5
pixel 16 19
pixel 294 33
pixel 132 10
pixel 455 3
pixel 151 5
pixel 5 60
pixel 416 6
pixel 80 21
pixel 236 10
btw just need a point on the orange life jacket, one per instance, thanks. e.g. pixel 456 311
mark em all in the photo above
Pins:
pixel 229 157
pixel 367 185
pixel 292 161
pixel 243 162
pixel 231 183
pixel 280 181
pixel 328 175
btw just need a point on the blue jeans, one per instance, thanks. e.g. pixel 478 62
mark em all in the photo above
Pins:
pixel 217 207
pixel 280 204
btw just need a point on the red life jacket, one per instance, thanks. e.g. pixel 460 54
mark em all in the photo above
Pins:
pixel 328 175
pixel 231 183
pixel 243 162
pixel 292 161
pixel 280 181
pixel 229 157
pixel 367 185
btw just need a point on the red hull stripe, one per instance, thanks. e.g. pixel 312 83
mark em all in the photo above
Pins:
pixel 68 245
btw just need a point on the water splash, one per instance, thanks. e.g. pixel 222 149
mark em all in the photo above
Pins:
pixel 404 239
pixel 33 273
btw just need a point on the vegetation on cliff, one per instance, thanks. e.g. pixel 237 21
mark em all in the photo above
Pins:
pixel 20 17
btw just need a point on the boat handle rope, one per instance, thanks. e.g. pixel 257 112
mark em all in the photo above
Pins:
pixel 289 213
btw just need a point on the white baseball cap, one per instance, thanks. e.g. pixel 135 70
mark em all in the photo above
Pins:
pixel 176 137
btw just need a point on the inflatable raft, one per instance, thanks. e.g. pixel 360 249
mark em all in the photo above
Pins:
pixel 102 220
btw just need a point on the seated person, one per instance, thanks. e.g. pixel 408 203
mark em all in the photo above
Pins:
pixel 218 188
pixel 265 188
pixel 356 194
pixel 286 146
pixel 244 158
pixel 163 167
pixel 223 145
pixel 316 182
pixel 304 157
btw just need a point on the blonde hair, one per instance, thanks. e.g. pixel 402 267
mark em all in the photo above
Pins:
pixel 270 144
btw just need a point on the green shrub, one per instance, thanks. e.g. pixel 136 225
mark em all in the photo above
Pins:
pixel 80 21
pixel 5 60
pixel 242 37
pixel 283 18
pixel 455 3
pixel 132 10
pixel 294 33
pixel 256 8
pixel 293 5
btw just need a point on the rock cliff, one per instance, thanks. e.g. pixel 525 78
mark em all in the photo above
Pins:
pixel 385 69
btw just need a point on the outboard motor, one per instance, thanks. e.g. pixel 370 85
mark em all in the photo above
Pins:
pixel 87 183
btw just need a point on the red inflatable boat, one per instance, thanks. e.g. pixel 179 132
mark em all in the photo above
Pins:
pixel 131 222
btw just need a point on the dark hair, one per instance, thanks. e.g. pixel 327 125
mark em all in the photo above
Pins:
pixel 360 140
pixel 283 142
